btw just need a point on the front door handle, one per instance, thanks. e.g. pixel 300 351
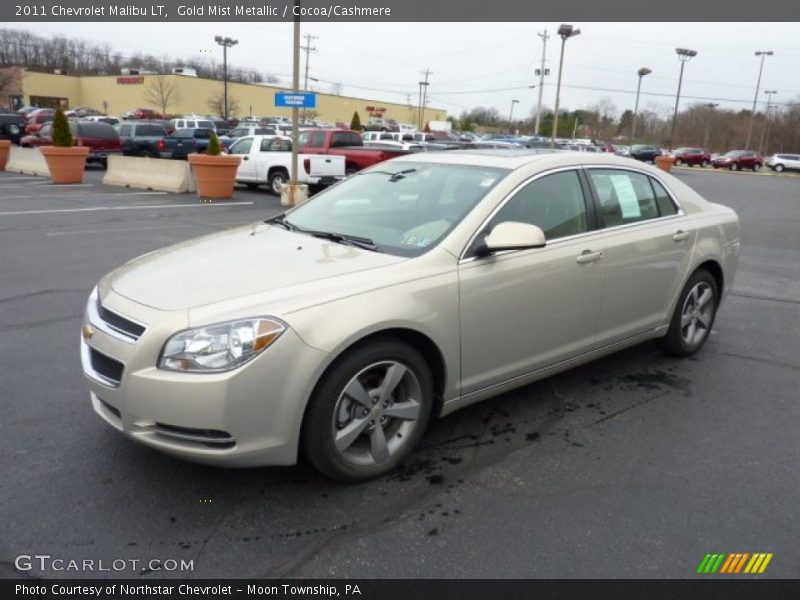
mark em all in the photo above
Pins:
pixel 680 235
pixel 587 256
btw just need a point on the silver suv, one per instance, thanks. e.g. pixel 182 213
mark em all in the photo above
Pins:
pixel 781 162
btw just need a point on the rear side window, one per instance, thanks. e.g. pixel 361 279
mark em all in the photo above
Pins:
pixel 97 130
pixel 666 206
pixel 151 130
pixel 184 133
pixel 340 139
pixel 312 139
pixel 554 203
pixel 624 197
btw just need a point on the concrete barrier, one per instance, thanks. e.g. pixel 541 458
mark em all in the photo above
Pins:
pixel 28 161
pixel 161 174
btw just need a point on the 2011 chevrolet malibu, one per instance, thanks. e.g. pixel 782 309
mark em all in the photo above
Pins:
pixel 338 330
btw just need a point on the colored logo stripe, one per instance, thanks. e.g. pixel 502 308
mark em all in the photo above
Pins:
pixel 735 562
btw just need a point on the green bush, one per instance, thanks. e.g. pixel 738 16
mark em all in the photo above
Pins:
pixel 62 136
pixel 355 124
pixel 213 146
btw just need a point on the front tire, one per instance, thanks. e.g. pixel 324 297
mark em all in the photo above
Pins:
pixel 734 166
pixel 369 411
pixel 694 315
pixel 678 162
pixel 778 168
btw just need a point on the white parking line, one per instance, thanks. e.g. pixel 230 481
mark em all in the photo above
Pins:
pixel 99 208
pixel 45 183
pixel 66 196
pixel 28 178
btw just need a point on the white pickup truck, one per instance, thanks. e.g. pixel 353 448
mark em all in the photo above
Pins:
pixel 267 160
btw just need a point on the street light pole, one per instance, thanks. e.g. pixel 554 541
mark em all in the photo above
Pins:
pixel 711 106
pixel 764 129
pixel 642 72
pixel 226 43
pixel 542 71
pixel 565 32
pixel 295 114
pixel 511 115
pixel 763 54
pixel 684 55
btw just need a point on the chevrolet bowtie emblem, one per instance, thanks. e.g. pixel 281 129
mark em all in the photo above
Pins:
pixel 88 332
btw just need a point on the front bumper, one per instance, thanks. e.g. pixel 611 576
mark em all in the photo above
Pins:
pixel 247 417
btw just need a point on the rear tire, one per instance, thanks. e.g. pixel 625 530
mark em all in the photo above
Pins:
pixel 694 315
pixel 704 163
pixel 678 162
pixel 351 429
pixel 756 167
pixel 276 180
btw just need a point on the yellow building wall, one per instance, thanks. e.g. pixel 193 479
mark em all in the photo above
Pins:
pixel 192 95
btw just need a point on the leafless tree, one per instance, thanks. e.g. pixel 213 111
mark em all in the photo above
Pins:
pixel 160 92
pixel 217 104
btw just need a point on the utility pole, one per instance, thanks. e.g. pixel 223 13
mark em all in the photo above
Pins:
pixel 544 38
pixel 308 49
pixel 424 94
pixel 763 54
pixel 765 128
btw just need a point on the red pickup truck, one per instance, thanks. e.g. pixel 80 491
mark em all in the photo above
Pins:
pixel 343 142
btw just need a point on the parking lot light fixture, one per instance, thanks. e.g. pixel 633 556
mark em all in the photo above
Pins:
pixel 226 43
pixel 763 54
pixel 684 55
pixel 565 32
pixel 642 72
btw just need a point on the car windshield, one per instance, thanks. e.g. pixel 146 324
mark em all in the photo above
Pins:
pixel 404 208
pixel 683 150
pixel 734 153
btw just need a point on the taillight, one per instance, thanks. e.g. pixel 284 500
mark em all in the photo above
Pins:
pixel 307 165
pixel 160 145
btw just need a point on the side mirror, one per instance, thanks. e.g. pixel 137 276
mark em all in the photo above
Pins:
pixel 512 235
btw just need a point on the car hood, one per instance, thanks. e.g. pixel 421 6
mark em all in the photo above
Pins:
pixel 252 259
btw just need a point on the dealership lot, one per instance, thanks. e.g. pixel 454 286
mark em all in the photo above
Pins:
pixel 634 466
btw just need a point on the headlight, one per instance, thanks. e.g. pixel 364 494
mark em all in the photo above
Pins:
pixel 219 347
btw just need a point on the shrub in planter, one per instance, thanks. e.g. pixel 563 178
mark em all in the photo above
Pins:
pixel 214 172
pixel 65 161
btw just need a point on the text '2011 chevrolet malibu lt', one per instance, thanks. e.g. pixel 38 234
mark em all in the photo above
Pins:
pixel 338 330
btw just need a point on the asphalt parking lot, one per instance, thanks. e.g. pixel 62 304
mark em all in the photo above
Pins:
pixel 634 466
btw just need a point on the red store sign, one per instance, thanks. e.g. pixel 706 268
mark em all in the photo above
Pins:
pixel 129 80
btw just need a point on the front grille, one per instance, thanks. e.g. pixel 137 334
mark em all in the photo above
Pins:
pixel 212 438
pixel 119 323
pixel 106 367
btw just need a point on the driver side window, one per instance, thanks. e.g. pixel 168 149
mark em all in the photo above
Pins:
pixel 554 203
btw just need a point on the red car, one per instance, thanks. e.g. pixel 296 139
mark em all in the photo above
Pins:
pixel 736 160
pixel 37 118
pixel 102 139
pixel 691 157
pixel 141 113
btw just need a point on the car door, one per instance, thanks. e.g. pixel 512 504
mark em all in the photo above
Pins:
pixel 648 246
pixel 246 171
pixel 523 310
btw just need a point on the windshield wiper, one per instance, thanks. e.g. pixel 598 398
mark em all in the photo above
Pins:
pixel 342 238
pixel 281 220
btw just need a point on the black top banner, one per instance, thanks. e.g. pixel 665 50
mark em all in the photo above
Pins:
pixel 385 11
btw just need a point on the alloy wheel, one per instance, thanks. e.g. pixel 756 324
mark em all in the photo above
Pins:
pixel 697 314
pixel 376 413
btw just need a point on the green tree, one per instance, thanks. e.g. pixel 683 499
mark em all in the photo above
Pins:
pixel 62 136
pixel 213 145
pixel 355 124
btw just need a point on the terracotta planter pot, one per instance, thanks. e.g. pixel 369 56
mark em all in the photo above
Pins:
pixel 5 148
pixel 214 175
pixel 665 163
pixel 66 164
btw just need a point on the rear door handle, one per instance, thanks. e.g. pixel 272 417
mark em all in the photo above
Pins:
pixel 587 256
pixel 680 235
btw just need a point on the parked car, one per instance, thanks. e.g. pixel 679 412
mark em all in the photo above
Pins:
pixel 185 141
pixel 345 143
pixel 192 123
pixel 266 160
pixel 244 130
pixel 12 127
pixel 338 330
pixel 102 119
pixel 644 152
pixel 691 157
pixel 83 111
pixel 395 136
pixel 380 124
pixel 37 118
pixel 221 126
pixel 496 144
pixel 783 162
pixel 141 113
pixel 392 145
pixel 101 138
pixel 735 160
pixel 142 138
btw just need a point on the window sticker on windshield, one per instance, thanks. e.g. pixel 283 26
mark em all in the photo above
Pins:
pixel 487 182
pixel 626 195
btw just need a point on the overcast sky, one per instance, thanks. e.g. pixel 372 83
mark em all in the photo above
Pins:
pixel 473 64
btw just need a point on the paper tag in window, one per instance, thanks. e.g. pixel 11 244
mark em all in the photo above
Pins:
pixel 626 195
